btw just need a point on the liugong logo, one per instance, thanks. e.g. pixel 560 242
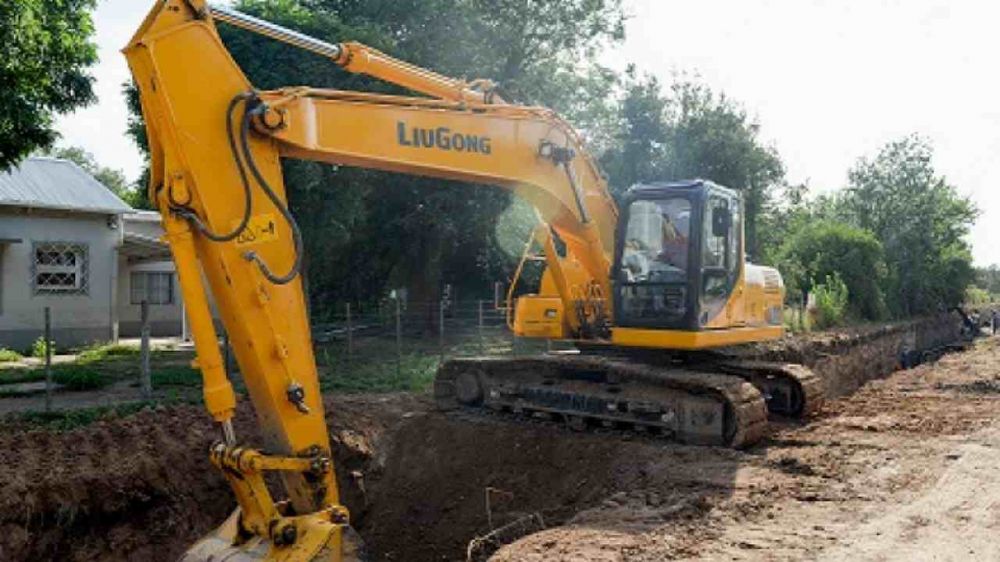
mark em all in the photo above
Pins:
pixel 441 138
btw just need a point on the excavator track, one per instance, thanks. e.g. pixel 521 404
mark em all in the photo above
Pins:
pixel 790 390
pixel 583 390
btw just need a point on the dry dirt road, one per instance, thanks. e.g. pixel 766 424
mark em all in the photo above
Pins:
pixel 907 468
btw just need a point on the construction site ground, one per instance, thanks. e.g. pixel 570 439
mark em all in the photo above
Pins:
pixel 904 468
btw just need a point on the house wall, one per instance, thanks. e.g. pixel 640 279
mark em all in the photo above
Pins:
pixel 76 319
pixel 164 319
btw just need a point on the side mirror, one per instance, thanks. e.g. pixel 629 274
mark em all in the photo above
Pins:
pixel 722 221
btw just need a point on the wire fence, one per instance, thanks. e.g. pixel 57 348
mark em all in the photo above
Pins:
pixel 399 344
pixel 394 346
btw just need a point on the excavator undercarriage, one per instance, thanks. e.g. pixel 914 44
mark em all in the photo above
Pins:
pixel 701 399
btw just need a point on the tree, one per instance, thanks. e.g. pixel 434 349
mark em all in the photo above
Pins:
pixel 714 138
pixel 825 249
pixel 988 279
pixel 46 50
pixel 638 149
pixel 110 178
pixel 692 132
pixel 921 221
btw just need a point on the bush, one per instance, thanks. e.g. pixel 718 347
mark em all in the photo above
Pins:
pixel 9 355
pixel 38 348
pixel 831 302
pixel 823 249
pixel 73 377
pixel 976 296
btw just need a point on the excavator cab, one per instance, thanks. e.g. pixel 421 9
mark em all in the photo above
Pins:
pixel 678 255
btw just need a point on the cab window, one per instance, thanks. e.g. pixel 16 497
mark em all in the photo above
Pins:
pixel 655 262
pixel 720 254
pixel 657 240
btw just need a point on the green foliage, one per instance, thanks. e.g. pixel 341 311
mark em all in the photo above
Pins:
pixel 100 352
pixel 415 373
pixel 977 296
pixel 988 279
pixel 46 50
pixel 796 320
pixel 72 419
pixel 175 376
pixel 38 348
pixel 16 375
pixel 78 377
pixel 824 249
pixel 693 132
pixel 9 355
pixel 921 221
pixel 831 302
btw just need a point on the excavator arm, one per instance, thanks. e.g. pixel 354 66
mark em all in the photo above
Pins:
pixel 215 149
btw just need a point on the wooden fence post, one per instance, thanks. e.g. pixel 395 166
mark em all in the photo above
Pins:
pixel 47 334
pixel 146 381
pixel 350 334
pixel 482 344
pixel 441 328
pixel 399 339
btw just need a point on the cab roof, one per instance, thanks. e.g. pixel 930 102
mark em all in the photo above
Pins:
pixel 660 186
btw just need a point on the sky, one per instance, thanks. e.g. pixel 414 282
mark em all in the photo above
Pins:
pixel 829 81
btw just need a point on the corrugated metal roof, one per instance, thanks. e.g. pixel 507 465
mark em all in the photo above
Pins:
pixel 53 183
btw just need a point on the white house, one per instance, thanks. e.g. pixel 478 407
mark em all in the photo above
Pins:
pixel 68 243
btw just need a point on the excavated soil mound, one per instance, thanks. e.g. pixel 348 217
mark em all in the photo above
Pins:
pixel 142 488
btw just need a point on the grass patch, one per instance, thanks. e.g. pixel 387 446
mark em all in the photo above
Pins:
pixel 7 393
pixel 21 374
pixel 70 375
pixel 106 351
pixel 415 373
pixel 9 355
pixel 176 376
pixel 78 377
pixel 72 419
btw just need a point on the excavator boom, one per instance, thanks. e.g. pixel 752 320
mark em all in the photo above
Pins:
pixel 215 176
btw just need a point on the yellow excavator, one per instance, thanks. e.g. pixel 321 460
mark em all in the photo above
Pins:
pixel 649 293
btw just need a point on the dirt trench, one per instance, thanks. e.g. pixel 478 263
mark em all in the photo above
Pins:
pixel 416 481
pixel 141 488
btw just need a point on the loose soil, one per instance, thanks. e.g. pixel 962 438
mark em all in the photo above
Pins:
pixel 904 468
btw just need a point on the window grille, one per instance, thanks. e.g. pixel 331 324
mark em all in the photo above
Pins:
pixel 59 268
pixel 155 287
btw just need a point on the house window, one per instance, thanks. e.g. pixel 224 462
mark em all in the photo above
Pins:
pixel 154 287
pixel 59 268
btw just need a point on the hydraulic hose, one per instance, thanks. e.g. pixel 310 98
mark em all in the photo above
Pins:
pixel 275 200
pixel 184 211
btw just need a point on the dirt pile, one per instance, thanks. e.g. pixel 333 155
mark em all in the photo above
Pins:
pixel 142 488
pixel 83 494
pixel 848 358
